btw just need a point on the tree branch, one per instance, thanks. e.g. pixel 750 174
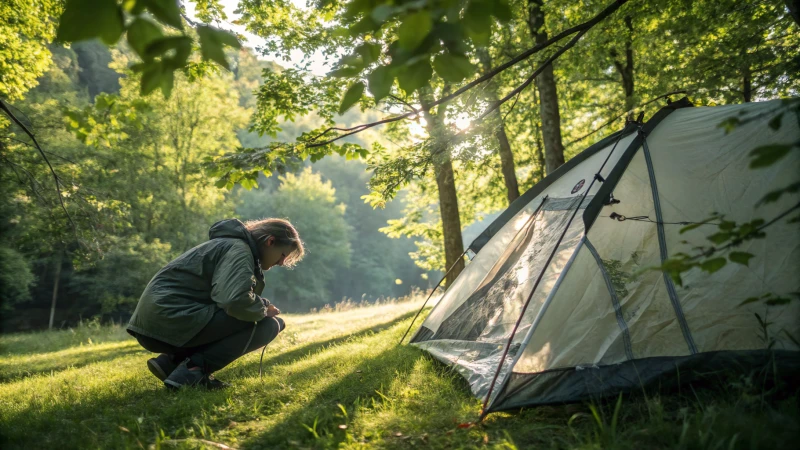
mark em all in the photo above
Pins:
pixel 405 103
pixel 581 29
pixel 11 115
pixel 622 115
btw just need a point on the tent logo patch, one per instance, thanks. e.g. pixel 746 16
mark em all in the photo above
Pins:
pixel 578 186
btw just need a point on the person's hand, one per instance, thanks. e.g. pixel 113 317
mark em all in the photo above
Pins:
pixel 272 311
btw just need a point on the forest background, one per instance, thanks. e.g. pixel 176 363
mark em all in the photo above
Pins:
pixel 147 153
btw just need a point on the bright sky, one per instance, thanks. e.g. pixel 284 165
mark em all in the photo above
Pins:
pixel 317 66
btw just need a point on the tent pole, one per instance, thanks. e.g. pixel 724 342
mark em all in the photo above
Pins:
pixel 431 294
pixel 597 177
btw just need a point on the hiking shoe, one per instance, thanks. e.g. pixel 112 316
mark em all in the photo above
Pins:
pixel 184 376
pixel 161 366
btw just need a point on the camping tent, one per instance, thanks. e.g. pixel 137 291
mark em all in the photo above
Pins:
pixel 560 302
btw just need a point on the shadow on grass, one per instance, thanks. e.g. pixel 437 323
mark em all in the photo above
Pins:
pixel 132 409
pixel 311 348
pixel 316 423
pixel 52 362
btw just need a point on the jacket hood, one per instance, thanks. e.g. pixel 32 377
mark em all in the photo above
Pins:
pixel 234 228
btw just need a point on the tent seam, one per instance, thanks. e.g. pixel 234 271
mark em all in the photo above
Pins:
pixel 626 336
pixel 594 207
pixel 662 246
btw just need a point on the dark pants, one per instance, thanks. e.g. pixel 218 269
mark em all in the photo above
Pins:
pixel 219 343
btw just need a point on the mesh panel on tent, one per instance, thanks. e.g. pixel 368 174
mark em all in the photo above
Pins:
pixel 488 316
pixel 469 279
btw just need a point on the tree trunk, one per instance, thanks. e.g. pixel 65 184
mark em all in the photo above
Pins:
pixel 506 155
pixel 451 222
pixel 548 94
pixel 55 290
pixel 507 163
pixel 539 151
pixel 794 10
pixel 446 184
pixel 747 84
pixel 626 70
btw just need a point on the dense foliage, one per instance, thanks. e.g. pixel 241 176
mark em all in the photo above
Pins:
pixel 129 169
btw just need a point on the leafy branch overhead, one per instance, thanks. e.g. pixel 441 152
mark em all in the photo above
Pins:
pixel 400 40
pixel 387 60
pixel 155 31
pixel 412 69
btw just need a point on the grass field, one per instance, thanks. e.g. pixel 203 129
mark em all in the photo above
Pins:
pixel 339 380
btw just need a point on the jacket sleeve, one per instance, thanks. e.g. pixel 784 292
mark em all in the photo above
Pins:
pixel 232 285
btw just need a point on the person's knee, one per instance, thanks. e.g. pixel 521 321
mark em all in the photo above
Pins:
pixel 281 324
pixel 270 327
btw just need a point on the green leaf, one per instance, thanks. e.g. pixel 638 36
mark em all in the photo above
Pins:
pixel 381 13
pixel 248 183
pixel 166 11
pixel 167 81
pixel 478 22
pixel 775 122
pixel 775 195
pixel 414 29
pixel 380 82
pixel 750 300
pixel 365 25
pixel 726 225
pixel 155 75
pixel 212 42
pixel 151 77
pixel 88 19
pixel 369 52
pixel 714 264
pixel 453 68
pixel 729 124
pixel 174 51
pixel 719 238
pixel 353 94
pixel 501 10
pixel 767 155
pixel 141 33
pixel 777 301
pixel 413 77
pixel 740 257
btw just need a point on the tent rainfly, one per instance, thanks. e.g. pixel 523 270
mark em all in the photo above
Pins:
pixel 561 302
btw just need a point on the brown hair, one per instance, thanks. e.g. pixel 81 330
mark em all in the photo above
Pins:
pixel 284 234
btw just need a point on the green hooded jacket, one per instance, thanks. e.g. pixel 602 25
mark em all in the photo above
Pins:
pixel 222 273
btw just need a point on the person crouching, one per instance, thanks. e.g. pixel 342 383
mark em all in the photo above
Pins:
pixel 203 310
